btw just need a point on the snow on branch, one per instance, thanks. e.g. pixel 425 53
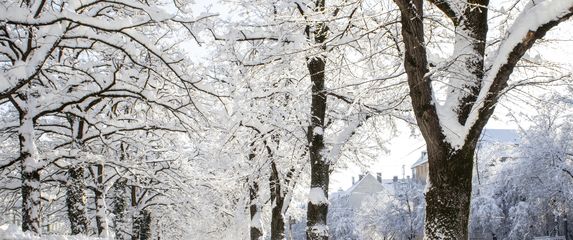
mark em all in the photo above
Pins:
pixel 532 24
pixel 533 19
pixel 78 25
pixel 344 136
pixel 22 72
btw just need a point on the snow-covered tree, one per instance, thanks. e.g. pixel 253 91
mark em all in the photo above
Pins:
pixel 526 193
pixel 473 82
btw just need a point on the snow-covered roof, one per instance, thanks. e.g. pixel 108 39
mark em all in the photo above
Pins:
pixel 488 136
pixel 506 136
pixel 368 184
pixel 366 187
pixel 423 159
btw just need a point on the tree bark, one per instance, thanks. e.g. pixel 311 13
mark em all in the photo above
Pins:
pixel 277 202
pixel 101 206
pixel 30 195
pixel 30 172
pixel 448 198
pixel 76 200
pixel 120 209
pixel 141 225
pixel 450 170
pixel 145 226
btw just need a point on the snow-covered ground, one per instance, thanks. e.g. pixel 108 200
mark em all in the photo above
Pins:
pixel 13 232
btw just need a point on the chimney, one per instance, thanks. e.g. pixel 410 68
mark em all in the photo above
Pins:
pixel 353 181
pixel 379 177
pixel 360 177
pixel 395 179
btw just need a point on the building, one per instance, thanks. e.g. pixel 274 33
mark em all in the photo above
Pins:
pixel 503 140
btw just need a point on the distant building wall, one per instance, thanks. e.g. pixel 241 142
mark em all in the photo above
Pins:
pixel 421 172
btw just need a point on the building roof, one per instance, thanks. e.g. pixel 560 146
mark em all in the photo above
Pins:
pixel 488 136
pixel 423 159
pixel 505 136
pixel 368 184
pixel 366 187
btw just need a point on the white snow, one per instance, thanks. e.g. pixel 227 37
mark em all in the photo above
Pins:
pixel 13 232
pixel 343 137
pixel 318 131
pixel 23 70
pixel 257 221
pixel 317 196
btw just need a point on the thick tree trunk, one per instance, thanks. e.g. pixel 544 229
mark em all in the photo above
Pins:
pixel 145 226
pixel 76 201
pixel 101 206
pixel 120 210
pixel 448 196
pixel 449 190
pixel 30 173
pixel 135 225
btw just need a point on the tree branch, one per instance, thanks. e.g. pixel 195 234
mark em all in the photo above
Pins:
pixel 447 9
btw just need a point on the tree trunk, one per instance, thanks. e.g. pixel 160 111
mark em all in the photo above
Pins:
pixel 256 228
pixel 448 197
pixel 450 169
pixel 255 212
pixel 141 229
pixel 317 209
pixel 145 226
pixel 76 201
pixel 277 202
pixel 473 90
pixel 30 197
pixel 135 225
pixel 101 206
pixel 120 209
pixel 30 173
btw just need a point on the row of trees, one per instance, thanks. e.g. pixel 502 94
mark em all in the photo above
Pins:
pixel 99 116
pixel 110 118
